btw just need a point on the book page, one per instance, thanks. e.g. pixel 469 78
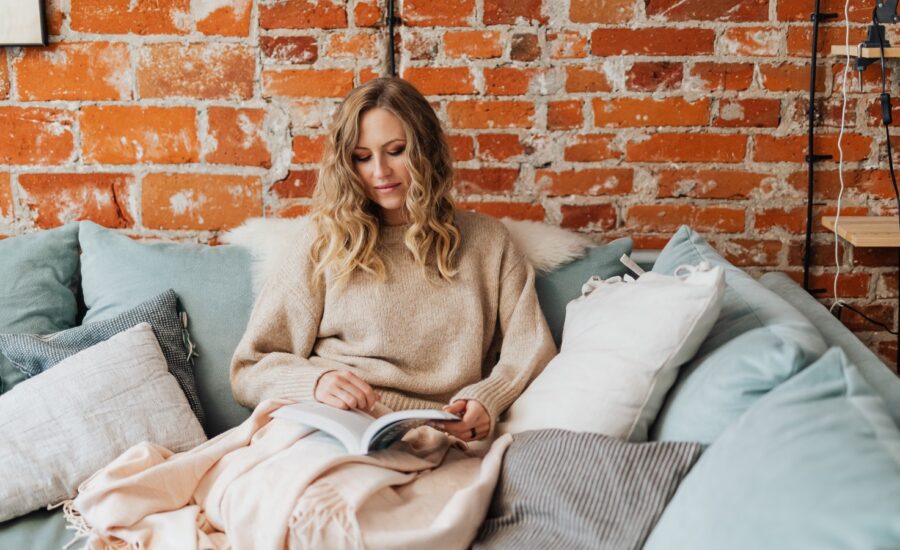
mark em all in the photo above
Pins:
pixel 389 428
pixel 348 427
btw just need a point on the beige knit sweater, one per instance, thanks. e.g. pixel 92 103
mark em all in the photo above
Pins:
pixel 419 344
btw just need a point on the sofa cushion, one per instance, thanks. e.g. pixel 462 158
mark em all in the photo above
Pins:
pixel 38 273
pixel 557 288
pixel 39 530
pixel 758 342
pixel 813 464
pixel 560 489
pixel 92 406
pixel 32 354
pixel 213 286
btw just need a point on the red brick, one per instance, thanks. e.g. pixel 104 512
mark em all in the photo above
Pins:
pixel 828 112
pixel 303 14
pixel 648 241
pixel 654 76
pixel 358 45
pixel 55 16
pixel 668 217
pixel 873 257
pixel 871 80
pixel 590 148
pixel 887 285
pixel 601 11
pixel 710 184
pixel 564 115
pixel 88 71
pixel 652 41
pixel 513 12
pixel 239 137
pixel 231 19
pixel 441 80
pixel 507 80
pixel 717 77
pixel 882 313
pixel 688 148
pixel 490 114
pixel 366 74
pixel 485 180
pixel 473 44
pixel 594 181
pixel 438 13
pixel 820 254
pixel 858 183
pixel 580 79
pixel 201 71
pixel 128 17
pixel 567 45
pixel 6 199
pixel 514 210
pixel 791 219
pixel 297 184
pixel 850 285
pixel 199 201
pixel 674 111
pixel 873 113
pixel 57 199
pixel 799 39
pixel 420 45
pixel 788 77
pixel 308 149
pixel 708 10
pixel 130 134
pixel 4 76
pixel 368 14
pixel 820 212
pixel 461 147
pixel 31 135
pixel 499 147
pixel 593 217
pixel 793 148
pixel 288 209
pixel 743 113
pixel 799 10
pixel 298 50
pixel 306 83
pixel 751 252
pixel 761 41
pixel 524 47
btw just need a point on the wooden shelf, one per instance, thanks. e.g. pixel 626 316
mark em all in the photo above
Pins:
pixel 867 231
pixel 892 51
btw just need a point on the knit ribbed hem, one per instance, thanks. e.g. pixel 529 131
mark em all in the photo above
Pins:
pixel 398 402
pixel 495 394
pixel 301 384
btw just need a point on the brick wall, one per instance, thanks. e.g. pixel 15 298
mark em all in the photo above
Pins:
pixel 178 118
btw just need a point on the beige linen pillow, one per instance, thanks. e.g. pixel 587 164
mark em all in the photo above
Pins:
pixel 64 424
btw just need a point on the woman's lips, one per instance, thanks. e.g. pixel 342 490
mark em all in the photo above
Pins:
pixel 386 188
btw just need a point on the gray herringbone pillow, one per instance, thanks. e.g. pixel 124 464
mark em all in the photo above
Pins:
pixel 33 354
pixel 562 489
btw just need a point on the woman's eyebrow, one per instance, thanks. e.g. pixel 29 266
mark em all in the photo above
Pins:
pixel 384 144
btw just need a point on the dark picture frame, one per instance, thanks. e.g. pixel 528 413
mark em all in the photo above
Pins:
pixel 23 23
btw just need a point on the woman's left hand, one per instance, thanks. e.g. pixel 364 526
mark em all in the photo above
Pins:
pixel 475 423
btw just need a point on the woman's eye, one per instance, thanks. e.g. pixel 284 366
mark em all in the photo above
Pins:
pixel 396 153
pixel 361 159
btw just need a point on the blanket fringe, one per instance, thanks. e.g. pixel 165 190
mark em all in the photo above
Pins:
pixel 83 531
pixel 320 514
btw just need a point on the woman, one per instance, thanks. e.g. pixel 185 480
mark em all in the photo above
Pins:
pixel 392 296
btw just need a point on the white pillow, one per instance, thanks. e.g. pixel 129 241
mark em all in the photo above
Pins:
pixel 622 344
pixel 61 426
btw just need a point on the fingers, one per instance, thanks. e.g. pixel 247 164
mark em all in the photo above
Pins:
pixel 457 407
pixel 345 390
pixel 368 394
pixel 475 417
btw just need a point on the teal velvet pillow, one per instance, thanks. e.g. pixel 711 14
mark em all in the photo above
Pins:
pixel 758 342
pixel 213 286
pixel 557 288
pixel 813 464
pixel 38 273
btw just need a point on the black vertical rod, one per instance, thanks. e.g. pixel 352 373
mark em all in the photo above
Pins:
pixel 810 155
pixel 390 21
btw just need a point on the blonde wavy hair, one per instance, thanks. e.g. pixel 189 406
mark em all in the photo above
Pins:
pixel 348 221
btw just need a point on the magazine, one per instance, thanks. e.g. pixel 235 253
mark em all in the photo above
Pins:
pixel 358 432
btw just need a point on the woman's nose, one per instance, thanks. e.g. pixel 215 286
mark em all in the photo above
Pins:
pixel 381 166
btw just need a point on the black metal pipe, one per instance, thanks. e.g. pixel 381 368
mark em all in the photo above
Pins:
pixel 390 21
pixel 810 155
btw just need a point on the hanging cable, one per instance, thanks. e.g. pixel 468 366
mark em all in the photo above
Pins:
pixel 837 216
pixel 392 68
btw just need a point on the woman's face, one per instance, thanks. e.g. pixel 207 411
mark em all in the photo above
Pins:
pixel 380 161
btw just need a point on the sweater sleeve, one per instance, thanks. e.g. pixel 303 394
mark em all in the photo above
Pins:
pixel 526 347
pixel 272 358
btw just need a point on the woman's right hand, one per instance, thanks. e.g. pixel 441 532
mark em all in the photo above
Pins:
pixel 345 390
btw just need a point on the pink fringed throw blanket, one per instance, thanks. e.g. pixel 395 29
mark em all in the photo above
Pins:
pixel 271 484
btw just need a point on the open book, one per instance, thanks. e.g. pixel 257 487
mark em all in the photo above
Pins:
pixel 358 432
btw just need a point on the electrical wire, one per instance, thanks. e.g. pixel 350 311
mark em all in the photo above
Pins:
pixel 837 216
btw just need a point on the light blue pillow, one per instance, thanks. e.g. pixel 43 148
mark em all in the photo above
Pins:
pixel 213 286
pixel 813 464
pixel 38 274
pixel 557 288
pixel 758 342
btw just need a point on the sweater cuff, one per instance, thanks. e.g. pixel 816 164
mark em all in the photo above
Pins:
pixel 300 385
pixel 494 393
pixel 396 401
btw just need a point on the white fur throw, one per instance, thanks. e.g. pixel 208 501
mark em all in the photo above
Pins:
pixel 546 247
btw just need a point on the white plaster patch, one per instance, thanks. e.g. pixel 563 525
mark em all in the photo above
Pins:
pixel 204 8
pixel 184 202
pixel 761 42
pixel 120 77
pixel 614 69
pixel 182 20
pixel 238 191
pixel 250 130
pixel 732 111
pixel 56 56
